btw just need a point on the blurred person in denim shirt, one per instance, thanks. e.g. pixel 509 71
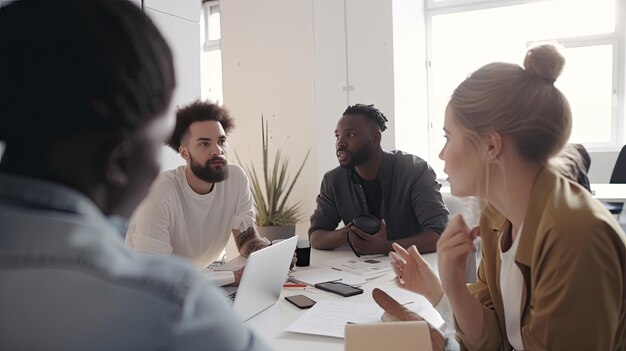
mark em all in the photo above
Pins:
pixel 85 88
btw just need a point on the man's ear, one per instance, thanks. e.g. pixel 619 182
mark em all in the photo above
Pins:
pixel 493 146
pixel 378 136
pixel 183 152
pixel 118 164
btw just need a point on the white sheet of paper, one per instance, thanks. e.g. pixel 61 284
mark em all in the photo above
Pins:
pixel 364 265
pixel 329 317
pixel 325 274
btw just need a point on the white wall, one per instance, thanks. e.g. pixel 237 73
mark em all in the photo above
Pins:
pixel 179 22
pixel 331 79
pixel 268 68
pixel 410 78
pixel 370 59
pixel 376 50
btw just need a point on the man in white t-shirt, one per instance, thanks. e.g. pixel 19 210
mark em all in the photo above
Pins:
pixel 192 210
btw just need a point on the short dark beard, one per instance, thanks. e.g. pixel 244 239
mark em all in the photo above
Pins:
pixel 358 157
pixel 206 172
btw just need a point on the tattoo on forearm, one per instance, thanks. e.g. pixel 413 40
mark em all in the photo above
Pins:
pixel 244 236
pixel 248 241
pixel 254 245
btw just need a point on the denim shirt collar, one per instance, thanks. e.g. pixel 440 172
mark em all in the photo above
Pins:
pixel 46 195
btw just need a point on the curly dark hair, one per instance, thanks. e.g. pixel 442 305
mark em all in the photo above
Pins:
pixel 370 112
pixel 199 111
pixel 103 67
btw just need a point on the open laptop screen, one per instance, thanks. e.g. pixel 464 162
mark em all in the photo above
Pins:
pixel 263 278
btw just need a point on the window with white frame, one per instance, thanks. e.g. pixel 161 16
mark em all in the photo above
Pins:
pixel 464 35
pixel 211 59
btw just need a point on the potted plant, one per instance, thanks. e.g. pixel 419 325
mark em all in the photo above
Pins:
pixel 275 216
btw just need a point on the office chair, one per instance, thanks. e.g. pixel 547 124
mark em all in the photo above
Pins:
pixel 574 163
pixel 585 156
pixel 618 177
pixel 582 177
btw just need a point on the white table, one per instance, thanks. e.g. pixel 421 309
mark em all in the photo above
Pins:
pixel 271 323
pixel 609 192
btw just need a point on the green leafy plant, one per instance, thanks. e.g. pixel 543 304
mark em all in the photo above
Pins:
pixel 271 193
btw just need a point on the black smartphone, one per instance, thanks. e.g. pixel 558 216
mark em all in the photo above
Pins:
pixel 339 288
pixel 300 301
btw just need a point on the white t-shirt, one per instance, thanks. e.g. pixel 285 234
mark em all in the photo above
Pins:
pixel 174 219
pixel 511 287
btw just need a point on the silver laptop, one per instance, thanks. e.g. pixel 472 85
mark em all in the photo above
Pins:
pixel 263 278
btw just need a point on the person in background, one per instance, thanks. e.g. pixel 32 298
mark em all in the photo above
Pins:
pixel 85 88
pixel 192 210
pixel 553 273
pixel 574 163
pixel 398 188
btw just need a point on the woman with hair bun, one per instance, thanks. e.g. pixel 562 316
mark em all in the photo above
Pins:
pixel 553 269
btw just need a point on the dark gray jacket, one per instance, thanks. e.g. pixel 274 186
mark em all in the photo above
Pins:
pixel 411 204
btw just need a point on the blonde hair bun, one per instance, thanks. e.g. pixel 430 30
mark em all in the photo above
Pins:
pixel 545 62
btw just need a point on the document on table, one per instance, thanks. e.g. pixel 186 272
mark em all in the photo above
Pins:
pixel 364 265
pixel 329 317
pixel 325 274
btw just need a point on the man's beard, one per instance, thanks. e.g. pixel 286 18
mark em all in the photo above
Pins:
pixel 358 157
pixel 207 172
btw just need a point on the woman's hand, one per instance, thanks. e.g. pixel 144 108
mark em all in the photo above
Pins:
pixel 415 274
pixel 453 248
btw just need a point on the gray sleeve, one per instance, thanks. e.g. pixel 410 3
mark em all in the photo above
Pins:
pixel 428 205
pixel 208 322
pixel 326 215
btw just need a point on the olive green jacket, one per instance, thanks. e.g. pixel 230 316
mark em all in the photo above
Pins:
pixel 572 254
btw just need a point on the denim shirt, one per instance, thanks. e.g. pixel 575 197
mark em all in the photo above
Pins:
pixel 68 282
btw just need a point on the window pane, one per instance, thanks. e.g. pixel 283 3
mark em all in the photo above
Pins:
pixel 463 42
pixel 541 20
pixel 587 82
pixel 215 31
pixel 209 23
pixel 566 15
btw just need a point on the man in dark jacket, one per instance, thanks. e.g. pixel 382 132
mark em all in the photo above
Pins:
pixel 398 188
